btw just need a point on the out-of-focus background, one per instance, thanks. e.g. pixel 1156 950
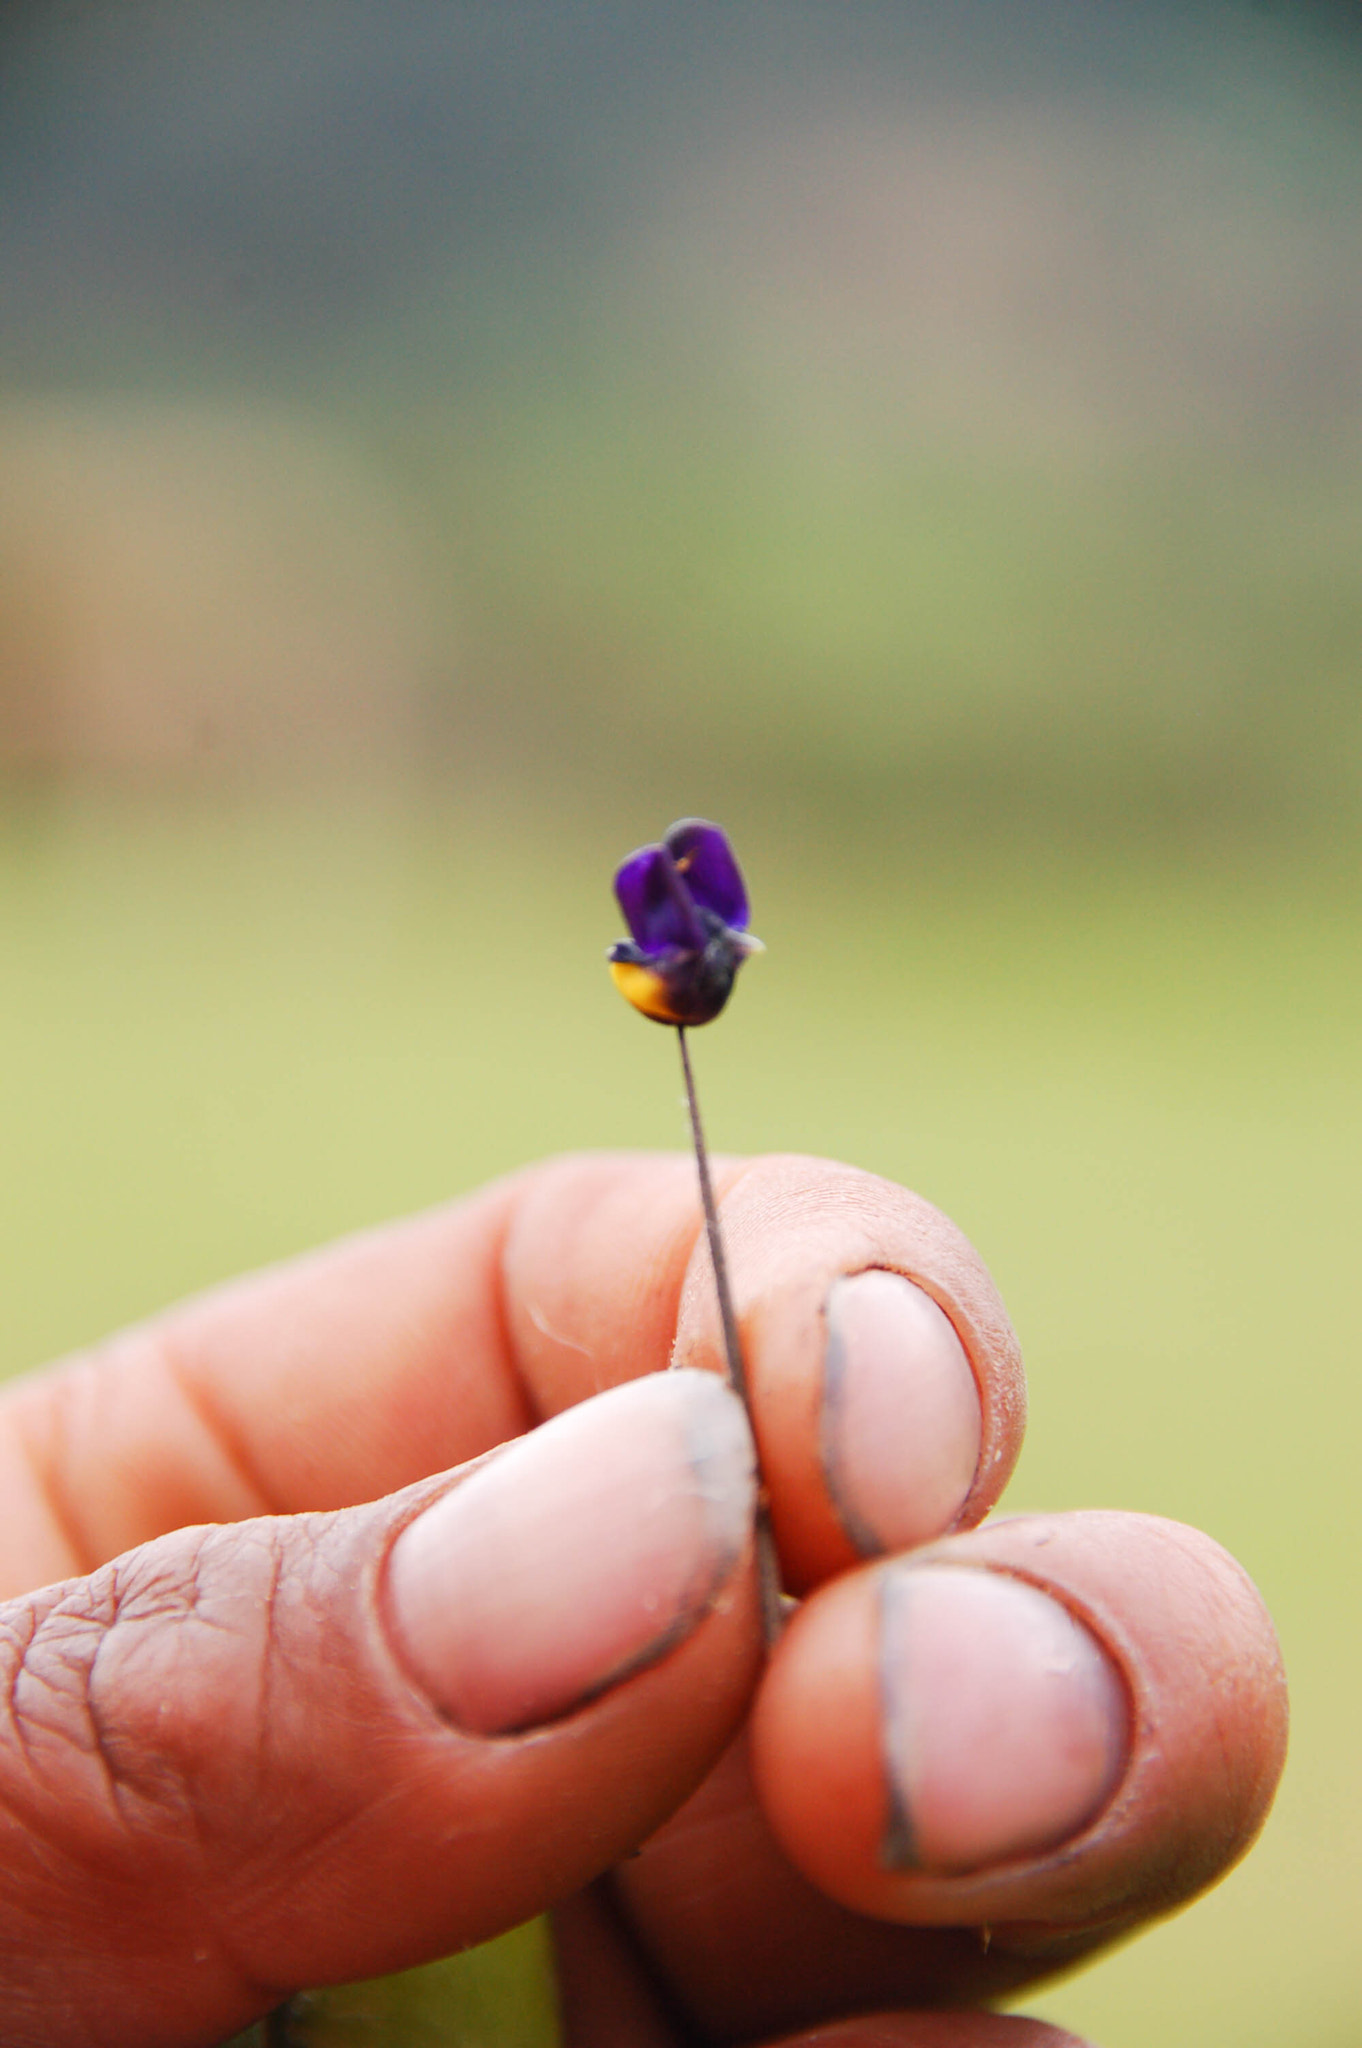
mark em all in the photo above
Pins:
pixel 439 444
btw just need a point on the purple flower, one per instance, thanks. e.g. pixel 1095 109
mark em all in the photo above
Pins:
pixel 686 908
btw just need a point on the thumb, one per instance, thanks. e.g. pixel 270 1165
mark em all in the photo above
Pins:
pixel 297 1750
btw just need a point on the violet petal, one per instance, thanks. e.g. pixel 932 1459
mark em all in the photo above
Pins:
pixel 705 858
pixel 657 907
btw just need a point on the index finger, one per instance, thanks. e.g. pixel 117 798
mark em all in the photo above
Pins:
pixel 356 1370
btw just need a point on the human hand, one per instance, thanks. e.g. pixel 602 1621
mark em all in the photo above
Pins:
pixel 372 1715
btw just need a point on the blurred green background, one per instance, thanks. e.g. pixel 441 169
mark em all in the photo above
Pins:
pixel 440 444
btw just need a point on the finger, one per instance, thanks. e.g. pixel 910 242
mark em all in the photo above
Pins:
pixel 606 1998
pixel 752 1934
pixel 937 2030
pixel 293 1751
pixel 756 1930
pixel 1054 1726
pixel 608 2001
pixel 887 1383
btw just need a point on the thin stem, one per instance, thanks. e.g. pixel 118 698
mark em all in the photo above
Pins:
pixel 768 1562
pixel 737 1371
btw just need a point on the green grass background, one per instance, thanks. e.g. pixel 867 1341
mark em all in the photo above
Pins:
pixel 228 1031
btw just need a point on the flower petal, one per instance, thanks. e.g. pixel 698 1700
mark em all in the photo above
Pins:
pixel 657 908
pixel 705 858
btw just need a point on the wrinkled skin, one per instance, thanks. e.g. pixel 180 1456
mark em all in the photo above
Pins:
pixel 218 1782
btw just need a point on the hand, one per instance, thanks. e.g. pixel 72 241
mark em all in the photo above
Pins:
pixel 367 1716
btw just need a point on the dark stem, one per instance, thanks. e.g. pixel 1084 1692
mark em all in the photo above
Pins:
pixel 768 1564
pixel 737 1371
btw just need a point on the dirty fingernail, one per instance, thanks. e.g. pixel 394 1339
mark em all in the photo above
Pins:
pixel 577 1555
pixel 1005 1723
pixel 901 1423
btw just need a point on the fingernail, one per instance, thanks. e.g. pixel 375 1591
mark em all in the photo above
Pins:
pixel 577 1555
pixel 901 1424
pixel 1005 1723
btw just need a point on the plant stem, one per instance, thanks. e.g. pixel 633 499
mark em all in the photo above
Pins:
pixel 768 1563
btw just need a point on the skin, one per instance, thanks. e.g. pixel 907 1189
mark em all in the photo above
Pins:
pixel 196 1821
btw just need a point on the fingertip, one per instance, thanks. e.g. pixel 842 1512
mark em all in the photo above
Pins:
pixel 971 2029
pixel 934 1424
pixel 901 1424
pixel 576 1555
pixel 1004 1722
pixel 1073 1721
